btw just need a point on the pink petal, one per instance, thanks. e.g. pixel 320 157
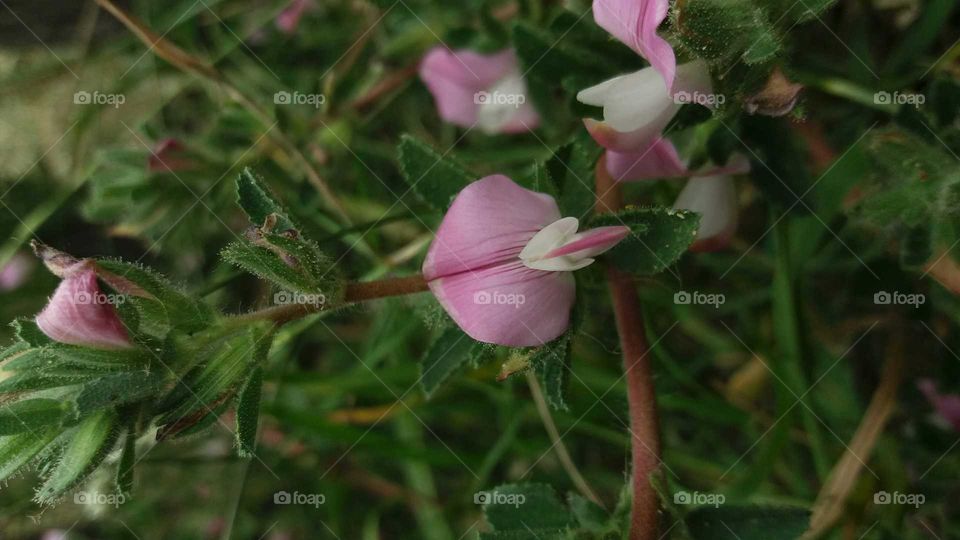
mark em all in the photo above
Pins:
pixel 635 22
pixel 16 272
pixel 168 156
pixel 657 160
pixel 488 223
pixel 508 303
pixel 453 77
pixel 524 120
pixel 77 314
pixel 715 199
pixel 592 242
pixel 475 256
pixel 946 405
pixel 289 19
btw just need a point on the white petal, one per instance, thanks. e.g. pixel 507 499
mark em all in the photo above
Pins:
pixel 715 199
pixel 504 101
pixel 597 95
pixel 559 264
pixel 549 238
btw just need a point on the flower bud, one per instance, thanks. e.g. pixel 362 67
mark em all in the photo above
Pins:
pixel 79 314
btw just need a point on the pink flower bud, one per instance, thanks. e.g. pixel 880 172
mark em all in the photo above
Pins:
pixel 78 313
pixel 16 272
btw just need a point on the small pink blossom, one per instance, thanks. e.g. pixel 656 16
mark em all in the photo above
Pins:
pixel 473 89
pixel 635 22
pixel 501 262
pixel 15 272
pixel 77 313
pixel 289 19
pixel 660 159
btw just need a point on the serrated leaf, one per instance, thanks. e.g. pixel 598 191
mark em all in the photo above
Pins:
pixel 452 350
pixel 552 363
pixel 119 389
pixel 747 523
pixel 255 199
pixel 29 415
pixel 88 445
pixel 658 237
pixel 311 274
pixel 435 177
pixel 727 29
pixel 248 414
pixel 525 507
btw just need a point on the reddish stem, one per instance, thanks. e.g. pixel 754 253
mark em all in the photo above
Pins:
pixel 642 404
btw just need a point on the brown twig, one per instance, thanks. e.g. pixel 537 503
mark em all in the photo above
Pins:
pixel 642 405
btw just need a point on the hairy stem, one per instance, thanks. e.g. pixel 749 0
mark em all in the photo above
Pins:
pixel 359 291
pixel 642 404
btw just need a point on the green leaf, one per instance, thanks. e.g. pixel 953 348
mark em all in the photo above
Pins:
pixel 248 414
pixel 552 363
pixel 119 389
pixel 658 237
pixel 436 178
pixel 569 172
pixel 293 265
pixel 452 350
pixel 728 30
pixel 89 444
pixel 747 523
pixel 17 450
pixel 224 362
pixel 524 508
pixel 127 460
pixel 31 415
pixel 255 199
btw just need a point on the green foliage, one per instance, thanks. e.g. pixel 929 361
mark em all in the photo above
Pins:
pixel 525 511
pixel 248 413
pixel 89 444
pixel 658 237
pixel 747 523
pixel 568 176
pixel 452 350
pixel 435 177
pixel 552 364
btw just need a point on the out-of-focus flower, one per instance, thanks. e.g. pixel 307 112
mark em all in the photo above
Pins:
pixel 637 107
pixel 660 159
pixel 289 19
pixel 635 22
pixel 715 199
pixel 501 261
pixel 473 89
pixel 169 155
pixel 78 313
pixel 15 272
pixel 946 405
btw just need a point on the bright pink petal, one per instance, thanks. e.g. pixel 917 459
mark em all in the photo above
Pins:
pixel 474 270
pixel 946 405
pixel 455 77
pixel 488 223
pixel 715 199
pixel 658 160
pixel 635 22
pixel 77 313
pixel 592 242
pixel 508 304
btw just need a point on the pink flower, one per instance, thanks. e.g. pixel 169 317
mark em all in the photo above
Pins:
pixel 502 259
pixel 169 155
pixel 715 199
pixel 476 89
pixel 289 19
pixel 635 22
pixel 79 313
pixel 946 405
pixel 660 159
pixel 16 272
pixel 637 107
